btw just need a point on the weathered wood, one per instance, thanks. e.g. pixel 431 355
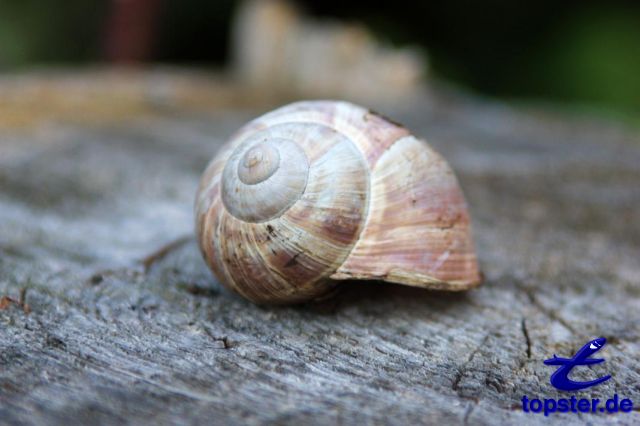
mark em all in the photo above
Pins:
pixel 128 326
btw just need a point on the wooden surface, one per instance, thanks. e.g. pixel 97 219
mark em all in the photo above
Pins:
pixel 125 324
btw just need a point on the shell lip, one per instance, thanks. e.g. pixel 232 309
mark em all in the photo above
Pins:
pixel 412 279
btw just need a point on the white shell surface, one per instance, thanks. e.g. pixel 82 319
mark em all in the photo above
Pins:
pixel 418 230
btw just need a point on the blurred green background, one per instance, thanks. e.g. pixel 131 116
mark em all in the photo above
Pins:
pixel 575 54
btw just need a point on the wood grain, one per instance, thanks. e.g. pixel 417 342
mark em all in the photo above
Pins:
pixel 127 326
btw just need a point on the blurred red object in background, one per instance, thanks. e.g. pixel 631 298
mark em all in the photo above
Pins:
pixel 130 30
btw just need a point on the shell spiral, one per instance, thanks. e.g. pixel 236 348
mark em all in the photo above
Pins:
pixel 316 192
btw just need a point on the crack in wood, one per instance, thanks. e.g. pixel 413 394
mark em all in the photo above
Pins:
pixel 527 339
pixel 551 314
pixel 463 369
pixel 159 254
pixel 468 412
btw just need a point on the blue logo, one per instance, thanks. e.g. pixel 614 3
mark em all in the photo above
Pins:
pixel 560 379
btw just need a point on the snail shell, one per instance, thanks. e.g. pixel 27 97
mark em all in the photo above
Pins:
pixel 317 192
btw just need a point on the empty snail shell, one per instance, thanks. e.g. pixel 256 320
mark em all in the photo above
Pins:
pixel 317 192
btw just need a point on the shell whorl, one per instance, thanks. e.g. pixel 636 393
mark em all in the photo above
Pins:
pixel 264 177
pixel 259 163
pixel 282 208
pixel 315 192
